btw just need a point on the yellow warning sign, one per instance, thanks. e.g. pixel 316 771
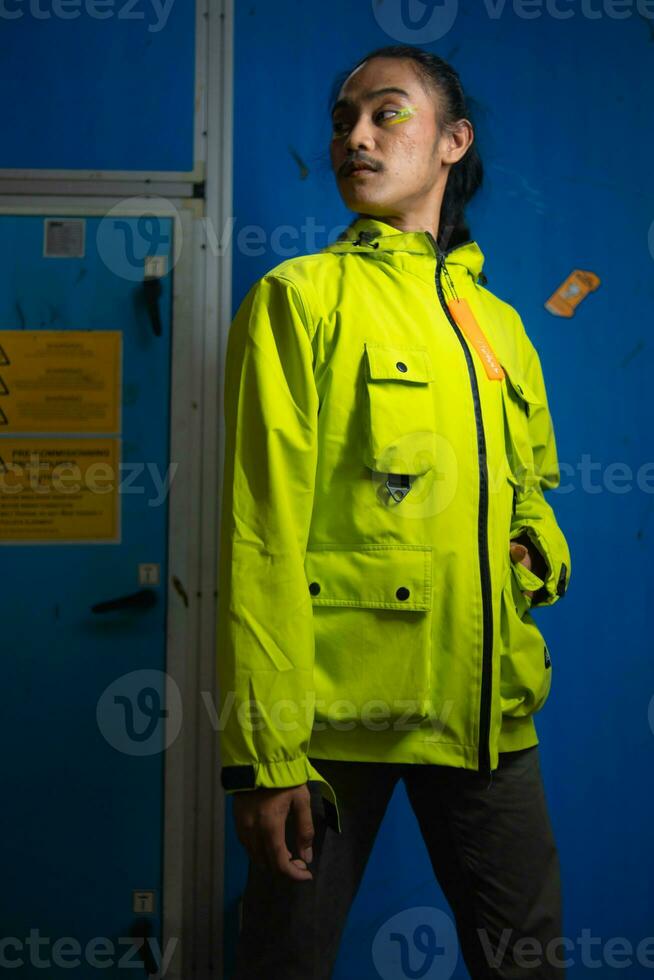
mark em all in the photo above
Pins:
pixel 60 381
pixel 59 490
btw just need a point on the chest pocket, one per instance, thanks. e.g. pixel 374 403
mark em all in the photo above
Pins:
pixel 519 403
pixel 400 418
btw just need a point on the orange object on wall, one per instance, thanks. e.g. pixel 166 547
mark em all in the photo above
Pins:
pixel 565 300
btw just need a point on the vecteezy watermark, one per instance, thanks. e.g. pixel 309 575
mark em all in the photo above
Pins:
pixel 132 718
pixel 58 472
pixel 423 942
pixel 425 21
pixel 431 475
pixel 615 477
pixel 529 952
pixel 341 714
pixel 131 714
pixel 417 942
pixel 137 230
pixel 140 713
pixel 66 952
pixel 416 21
pixel 153 12
pixel 427 460
pixel 586 475
pixel 284 241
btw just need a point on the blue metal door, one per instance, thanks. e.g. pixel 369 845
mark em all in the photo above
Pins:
pixel 85 341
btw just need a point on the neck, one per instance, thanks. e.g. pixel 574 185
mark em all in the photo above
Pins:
pixel 407 222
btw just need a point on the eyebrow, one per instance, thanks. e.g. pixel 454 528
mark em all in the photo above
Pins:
pixel 345 103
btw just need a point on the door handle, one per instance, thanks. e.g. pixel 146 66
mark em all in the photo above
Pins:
pixel 142 929
pixel 152 290
pixel 144 599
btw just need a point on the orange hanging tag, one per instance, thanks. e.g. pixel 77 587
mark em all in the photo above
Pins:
pixel 466 320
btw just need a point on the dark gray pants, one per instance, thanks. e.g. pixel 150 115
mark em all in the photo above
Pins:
pixel 491 847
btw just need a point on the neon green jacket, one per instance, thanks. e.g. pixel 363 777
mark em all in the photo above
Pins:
pixel 374 476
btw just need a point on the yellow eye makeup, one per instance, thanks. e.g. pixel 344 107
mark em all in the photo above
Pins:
pixel 340 127
pixel 401 116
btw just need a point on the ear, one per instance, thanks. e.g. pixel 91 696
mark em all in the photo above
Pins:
pixel 455 143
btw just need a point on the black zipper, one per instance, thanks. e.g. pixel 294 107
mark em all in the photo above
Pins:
pixel 483 763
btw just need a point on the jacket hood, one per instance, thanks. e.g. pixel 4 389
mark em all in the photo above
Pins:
pixel 368 234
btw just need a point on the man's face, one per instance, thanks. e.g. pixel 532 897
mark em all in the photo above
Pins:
pixel 395 132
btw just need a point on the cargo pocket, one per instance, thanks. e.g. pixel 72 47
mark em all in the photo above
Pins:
pixel 526 673
pixel 372 628
pixel 400 436
pixel 519 401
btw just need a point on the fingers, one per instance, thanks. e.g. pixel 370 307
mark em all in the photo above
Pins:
pixel 249 836
pixel 303 826
pixel 261 827
pixel 520 554
pixel 279 856
pixel 518 551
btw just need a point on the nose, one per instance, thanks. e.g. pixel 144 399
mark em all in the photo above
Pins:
pixel 360 137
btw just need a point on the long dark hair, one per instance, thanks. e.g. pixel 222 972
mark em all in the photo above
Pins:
pixel 465 177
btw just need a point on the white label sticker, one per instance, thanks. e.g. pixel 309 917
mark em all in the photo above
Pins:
pixel 155 266
pixel 149 574
pixel 64 238
pixel 142 901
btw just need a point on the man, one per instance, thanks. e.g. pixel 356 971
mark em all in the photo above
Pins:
pixel 384 533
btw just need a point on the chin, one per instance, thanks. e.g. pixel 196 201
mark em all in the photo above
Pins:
pixel 363 201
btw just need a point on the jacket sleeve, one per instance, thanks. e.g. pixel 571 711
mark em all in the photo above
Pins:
pixel 533 515
pixel 265 617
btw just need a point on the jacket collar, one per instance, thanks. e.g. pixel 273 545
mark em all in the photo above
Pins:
pixel 372 236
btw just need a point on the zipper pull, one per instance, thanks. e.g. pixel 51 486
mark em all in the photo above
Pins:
pixel 435 246
pixel 366 238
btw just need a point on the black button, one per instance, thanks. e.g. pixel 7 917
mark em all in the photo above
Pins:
pixel 314 588
pixel 402 593
pixel 560 585
pixel 401 366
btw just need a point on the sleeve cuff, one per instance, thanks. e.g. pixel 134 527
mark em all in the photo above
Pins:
pixel 553 586
pixel 281 774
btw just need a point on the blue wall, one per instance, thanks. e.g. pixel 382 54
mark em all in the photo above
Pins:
pixel 97 93
pixel 564 124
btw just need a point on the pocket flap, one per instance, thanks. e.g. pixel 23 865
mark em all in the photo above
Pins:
pixel 378 577
pixel 520 387
pixel 408 364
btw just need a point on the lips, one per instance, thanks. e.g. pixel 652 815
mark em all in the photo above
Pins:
pixel 358 168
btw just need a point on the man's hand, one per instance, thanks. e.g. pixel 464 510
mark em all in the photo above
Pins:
pixel 260 816
pixel 520 553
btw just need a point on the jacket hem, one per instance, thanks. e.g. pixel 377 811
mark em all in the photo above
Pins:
pixel 517 733
pixel 419 745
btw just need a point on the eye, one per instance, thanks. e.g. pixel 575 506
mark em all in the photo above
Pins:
pixel 382 112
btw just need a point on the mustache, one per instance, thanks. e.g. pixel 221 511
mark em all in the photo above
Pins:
pixel 350 163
